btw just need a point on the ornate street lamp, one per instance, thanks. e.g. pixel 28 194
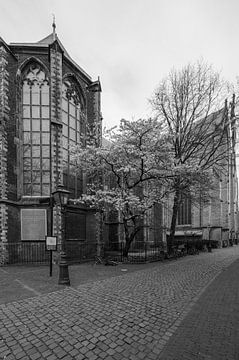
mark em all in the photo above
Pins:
pixel 61 197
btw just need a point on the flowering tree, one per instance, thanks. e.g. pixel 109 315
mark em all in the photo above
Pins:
pixel 126 174
pixel 186 106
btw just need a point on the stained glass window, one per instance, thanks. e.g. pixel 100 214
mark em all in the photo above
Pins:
pixel 36 131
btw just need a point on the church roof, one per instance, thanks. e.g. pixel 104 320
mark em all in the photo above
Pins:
pixel 48 40
pixel 2 42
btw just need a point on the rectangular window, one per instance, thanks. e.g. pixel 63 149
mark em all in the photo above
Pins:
pixel 27 138
pixel 72 122
pixel 26 150
pixel 36 151
pixel 36 139
pixel 36 165
pixel 26 97
pixel 45 112
pixel 45 138
pixel 45 151
pixel 26 112
pixel 45 98
pixel 26 125
pixel 36 175
pixel 27 188
pixel 45 125
pixel 35 95
pixel 27 163
pixel 46 177
pixel 35 112
pixel 36 125
pixel 36 189
pixel 45 164
pixel 72 134
pixel 45 189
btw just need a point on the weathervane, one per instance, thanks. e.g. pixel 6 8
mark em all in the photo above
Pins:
pixel 54 27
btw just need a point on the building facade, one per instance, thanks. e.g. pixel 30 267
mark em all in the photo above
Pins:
pixel 47 103
pixel 217 219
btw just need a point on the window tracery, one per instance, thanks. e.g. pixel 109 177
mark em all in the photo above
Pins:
pixel 36 130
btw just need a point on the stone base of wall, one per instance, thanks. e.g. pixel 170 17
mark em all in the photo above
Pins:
pixel 3 254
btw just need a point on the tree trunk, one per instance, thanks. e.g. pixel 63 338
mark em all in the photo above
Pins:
pixel 174 219
pixel 126 248
pixel 129 237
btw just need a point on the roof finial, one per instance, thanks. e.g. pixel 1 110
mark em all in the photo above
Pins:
pixel 54 27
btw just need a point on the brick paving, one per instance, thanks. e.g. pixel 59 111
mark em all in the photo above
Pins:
pixel 130 317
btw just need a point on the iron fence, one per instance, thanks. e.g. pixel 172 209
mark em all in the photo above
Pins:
pixel 82 251
pixel 21 253
pixel 25 253
pixel 139 252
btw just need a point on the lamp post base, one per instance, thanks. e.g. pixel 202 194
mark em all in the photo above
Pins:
pixel 63 270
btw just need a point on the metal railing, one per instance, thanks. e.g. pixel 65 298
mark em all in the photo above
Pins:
pixel 21 253
pixel 82 251
pixel 25 253
pixel 139 252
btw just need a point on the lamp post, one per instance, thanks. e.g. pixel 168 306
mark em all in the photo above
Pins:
pixel 61 197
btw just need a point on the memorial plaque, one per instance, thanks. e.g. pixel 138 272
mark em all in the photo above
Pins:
pixel 33 224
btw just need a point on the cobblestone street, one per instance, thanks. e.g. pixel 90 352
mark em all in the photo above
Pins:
pixel 134 316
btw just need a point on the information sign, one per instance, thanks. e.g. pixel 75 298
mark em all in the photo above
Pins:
pixel 51 243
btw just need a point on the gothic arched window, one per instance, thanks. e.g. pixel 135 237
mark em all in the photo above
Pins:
pixel 73 132
pixel 36 131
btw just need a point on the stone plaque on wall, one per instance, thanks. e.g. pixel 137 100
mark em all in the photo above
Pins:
pixel 33 224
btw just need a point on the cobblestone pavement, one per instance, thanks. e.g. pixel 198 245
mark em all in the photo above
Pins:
pixel 130 317
pixel 21 282
pixel 211 329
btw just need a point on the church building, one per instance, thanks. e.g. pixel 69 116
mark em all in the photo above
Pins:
pixel 47 103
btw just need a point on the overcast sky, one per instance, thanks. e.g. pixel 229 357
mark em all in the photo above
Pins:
pixel 131 44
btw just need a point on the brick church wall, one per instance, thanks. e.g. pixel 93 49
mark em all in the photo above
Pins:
pixel 4 118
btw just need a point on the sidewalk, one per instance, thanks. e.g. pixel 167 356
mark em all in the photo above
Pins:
pixel 21 282
pixel 211 329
